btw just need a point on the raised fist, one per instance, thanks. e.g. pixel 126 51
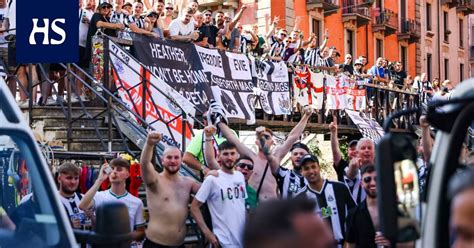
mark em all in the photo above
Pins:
pixel 154 137
pixel 210 130
pixel 424 122
pixel 332 127
pixel 308 110
pixel 259 130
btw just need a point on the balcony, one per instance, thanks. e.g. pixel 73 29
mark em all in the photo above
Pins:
pixel 210 3
pixel 329 6
pixel 465 6
pixel 409 30
pixel 356 10
pixel 462 6
pixel 385 20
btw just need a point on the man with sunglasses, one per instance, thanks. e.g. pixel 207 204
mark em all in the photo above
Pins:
pixel 225 196
pixel 363 221
pixel 168 16
pixel 245 166
pixel 276 41
pixel 267 158
pixel 182 29
pixel 333 198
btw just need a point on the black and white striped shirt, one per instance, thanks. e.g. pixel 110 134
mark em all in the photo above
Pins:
pixel 140 21
pixel 355 187
pixel 119 18
pixel 312 57
pixel 289 182
pixel 333 204
pixel 244 44
pixel 276 47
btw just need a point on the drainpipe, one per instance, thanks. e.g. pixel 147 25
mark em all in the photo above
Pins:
pixel 367 42
pixel 439 42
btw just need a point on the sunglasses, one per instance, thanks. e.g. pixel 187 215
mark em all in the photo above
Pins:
pixel 169 8
pixel 207 14
pixel 368 179
pixel 243 165
pixel 283 34
pixel 106 7
pixel 266 136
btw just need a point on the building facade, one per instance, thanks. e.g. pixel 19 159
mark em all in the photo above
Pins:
pixel 471 44
pixel 427 36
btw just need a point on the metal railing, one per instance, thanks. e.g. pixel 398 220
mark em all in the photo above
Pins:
pixel 410 26
pixel 385 17
pixel 355 7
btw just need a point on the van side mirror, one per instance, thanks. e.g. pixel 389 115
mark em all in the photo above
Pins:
pixel 398 187
pixel 112 227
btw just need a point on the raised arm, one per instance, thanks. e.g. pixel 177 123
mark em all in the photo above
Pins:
pixel 264 145
pixel 232 138
pixel 298 20
pixel 325 41
pixel 293 136
pixel 209 153
pixel 426 139
pixel 87 200
pixel 149 174
pixel 237 17
pixel 272 28
pixel 336 152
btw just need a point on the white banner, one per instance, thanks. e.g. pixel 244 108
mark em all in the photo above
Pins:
pixel 368 128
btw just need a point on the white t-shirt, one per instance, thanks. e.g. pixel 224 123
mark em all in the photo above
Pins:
pixel 225 196
pixel 177 27
pixel 84 27
pixel 134 205
pixel 11 15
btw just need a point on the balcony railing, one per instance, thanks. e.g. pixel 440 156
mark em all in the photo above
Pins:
pixel 465 6
pixel 410 30
pixel 385 20
pixel 329 6
pixel 356 10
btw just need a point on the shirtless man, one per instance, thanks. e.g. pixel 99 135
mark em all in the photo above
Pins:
pixel 268 189
pixel 168 195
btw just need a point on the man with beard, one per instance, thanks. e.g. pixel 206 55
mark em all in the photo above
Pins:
pixel 68 180
pixel 243 164
pixel 225 196
pixel 117 173
pixel 363 221
pixel 182 29
pixel 168 194
pixel 262 179
pixel 290 181
pixel 352 175
pixel 333 198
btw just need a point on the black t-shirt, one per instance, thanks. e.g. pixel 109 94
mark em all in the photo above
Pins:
pixel 340 169
pixel 398 77
pixel 93 29
pixel 346 67
pixel 203 32
pixel 360 229
pixel 211 38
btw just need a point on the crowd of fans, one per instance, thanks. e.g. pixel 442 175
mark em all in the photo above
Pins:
pixel 212 29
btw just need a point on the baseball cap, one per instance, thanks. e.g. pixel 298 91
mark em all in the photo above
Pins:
pixel 308 158
pixel 127 4
pixel 358 62
pixel 152 13
pixel 105 4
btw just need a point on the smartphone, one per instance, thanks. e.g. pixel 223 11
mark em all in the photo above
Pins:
pixel 107 170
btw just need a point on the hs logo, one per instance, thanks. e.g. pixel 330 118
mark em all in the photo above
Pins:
pixel 45 31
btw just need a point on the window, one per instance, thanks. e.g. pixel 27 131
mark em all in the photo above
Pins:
pixel 461 72
pixel 378 48
pixel 350 42
pixel 404 56
pixel 428 66
pixel 446 69
pixel 428 16
pixel 445 26
pixel 316 29
pixel 461 33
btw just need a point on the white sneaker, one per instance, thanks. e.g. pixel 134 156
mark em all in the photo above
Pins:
pixel 23 104
pixel 74 98
pixel 50 101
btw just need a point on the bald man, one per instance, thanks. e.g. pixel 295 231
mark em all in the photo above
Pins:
pixel 168 194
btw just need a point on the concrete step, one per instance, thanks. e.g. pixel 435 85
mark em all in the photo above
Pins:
pixel 59 112
pixel 80 132
pixel 83 146
pixel 62 122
